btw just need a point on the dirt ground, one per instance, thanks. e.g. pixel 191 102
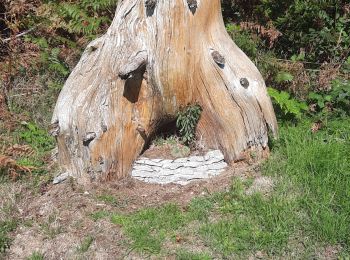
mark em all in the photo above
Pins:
pixel 56 220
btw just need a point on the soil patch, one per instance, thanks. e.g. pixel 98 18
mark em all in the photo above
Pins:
pixel 56 220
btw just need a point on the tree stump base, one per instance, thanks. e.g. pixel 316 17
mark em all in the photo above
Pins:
pixel 157 57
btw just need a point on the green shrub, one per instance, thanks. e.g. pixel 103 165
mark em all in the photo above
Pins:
pixel 338 98
pixel 321 28
pixel 186 122
pixel 286 104
pixel 38 138
pixel 244 40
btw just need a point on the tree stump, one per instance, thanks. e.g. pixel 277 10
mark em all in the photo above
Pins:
pixel 157 57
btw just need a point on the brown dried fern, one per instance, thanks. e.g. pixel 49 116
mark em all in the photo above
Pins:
pixel 12 168
pixel 17 150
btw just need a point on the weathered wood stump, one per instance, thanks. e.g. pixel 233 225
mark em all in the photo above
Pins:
pixel 157 57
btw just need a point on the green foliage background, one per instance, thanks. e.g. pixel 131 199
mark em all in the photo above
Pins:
pixel 299 46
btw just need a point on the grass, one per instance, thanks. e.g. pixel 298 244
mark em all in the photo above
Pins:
pixel 85 245
pixel 5 228
pixel 36 256
pixel 310 204
pixel 109 199
pixel 113 201
pixel 320 165
pixel 249 223
pixel 52 226
pixel 177 148
pixel 100 214
pixel 149 227
pixel 187 255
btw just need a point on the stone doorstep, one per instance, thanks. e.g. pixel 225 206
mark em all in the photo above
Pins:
pixel 181 171
pixel 217 166
pixel 192 164
pixel 196 159
pixel 143 168
pixel 181 160
pixel 213 160
pixel 173 166
pixel 216 154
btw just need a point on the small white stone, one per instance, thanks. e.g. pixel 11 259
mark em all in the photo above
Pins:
pixel 215 154
pixel 184 171
pixel 141 161
pixel 166 173
pixel 192 164
pixel 156 160
pixel 173 166
pixel 183 183
pixel 143 174
pixel 143 168
pixel 202 168
pixel 196 159
pixel 213 161
pixel 201 175
pixel 217 166
pixel 166 162
pixel 181 160
pixel 60 178
pixel 152 163
pixel 213 173
pixel 157 169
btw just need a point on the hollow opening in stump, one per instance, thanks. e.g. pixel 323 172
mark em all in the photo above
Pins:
pixel 167 134
pixel 167 129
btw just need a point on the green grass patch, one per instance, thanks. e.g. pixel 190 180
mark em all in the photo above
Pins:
pixel 310 203
pixel 113 201
pixel 95 216
pixel 109 199
pixel 85 245
pixel 149 227
pixel 5 228
pixel 187 255
pixel 250 223
pixel 318 163
pixel 52 227
pixel 36 256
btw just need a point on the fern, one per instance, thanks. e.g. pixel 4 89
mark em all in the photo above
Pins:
pixel 84 17
pixel 284 77
pixel 287 104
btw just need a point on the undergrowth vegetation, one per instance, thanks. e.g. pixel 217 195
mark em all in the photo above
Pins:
pixel 309 204
pixel 186 122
